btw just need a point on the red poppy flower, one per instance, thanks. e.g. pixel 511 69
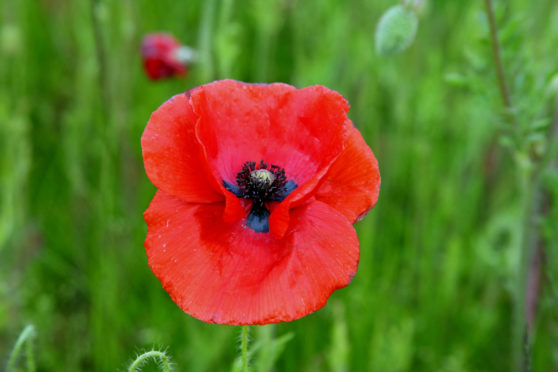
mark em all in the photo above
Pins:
pixel 259 186
pixel 164 56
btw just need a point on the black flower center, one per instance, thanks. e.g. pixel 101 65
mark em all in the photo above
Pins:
pixel 261 184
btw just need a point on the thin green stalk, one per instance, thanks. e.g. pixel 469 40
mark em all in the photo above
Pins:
pixel 529 190
pixel 244 347
pixel 529 194
pixel 263 47
pixel 225 40
pixel 205 41
pixel 504 90
pixel 493 153
pixel 153 354
pixel 25 337
pixel 549 159
pixel 100 54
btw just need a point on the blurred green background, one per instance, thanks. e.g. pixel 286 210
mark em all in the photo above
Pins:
pixel 439 253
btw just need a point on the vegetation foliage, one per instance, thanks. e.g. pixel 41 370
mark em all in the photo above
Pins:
pixel 466 218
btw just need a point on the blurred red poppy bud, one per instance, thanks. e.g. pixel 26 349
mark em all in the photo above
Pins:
pixel 164 56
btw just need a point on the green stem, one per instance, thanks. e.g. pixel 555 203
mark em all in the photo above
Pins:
pixel 530 194
pixel 504 91
pixel 244 347
pixel 225 61
pixel 25 336
pixel 205 42
pixel 100 55
pixel 153 354
pixel 262 54
pixel 549 160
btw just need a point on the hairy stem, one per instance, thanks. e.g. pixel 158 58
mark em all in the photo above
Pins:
pixel 244 347
pixel 25 337
pixel 153 354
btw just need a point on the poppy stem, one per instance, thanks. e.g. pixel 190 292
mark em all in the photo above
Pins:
pixel 530 194
pixel 160 356
pixel 497 55
pixel 244 347
pixel 25 337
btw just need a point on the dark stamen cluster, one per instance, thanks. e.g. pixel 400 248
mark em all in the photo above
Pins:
pixel 260 183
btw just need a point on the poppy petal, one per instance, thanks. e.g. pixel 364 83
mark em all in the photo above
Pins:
pixel 172 156
pixel 279 219
pixel 228 274
pixel 352 183
pixel 300 130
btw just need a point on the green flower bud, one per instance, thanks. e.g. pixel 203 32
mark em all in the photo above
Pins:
pixel 396 30
pixel 10 39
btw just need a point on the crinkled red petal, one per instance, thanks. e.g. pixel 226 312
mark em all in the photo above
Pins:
pixel 298 130
pixel 227 273
pixel 279 219
pixel 173 158
pixel 352 184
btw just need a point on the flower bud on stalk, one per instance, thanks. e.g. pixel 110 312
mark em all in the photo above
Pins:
pixel 396 30
pixel 165 57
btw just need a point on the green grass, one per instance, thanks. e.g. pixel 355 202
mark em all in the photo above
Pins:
pixel 439 253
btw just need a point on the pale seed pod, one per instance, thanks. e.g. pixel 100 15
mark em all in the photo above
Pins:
pixel 396 30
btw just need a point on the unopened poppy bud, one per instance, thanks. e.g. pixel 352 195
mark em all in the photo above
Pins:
pixel 164 56
pixel 396 30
